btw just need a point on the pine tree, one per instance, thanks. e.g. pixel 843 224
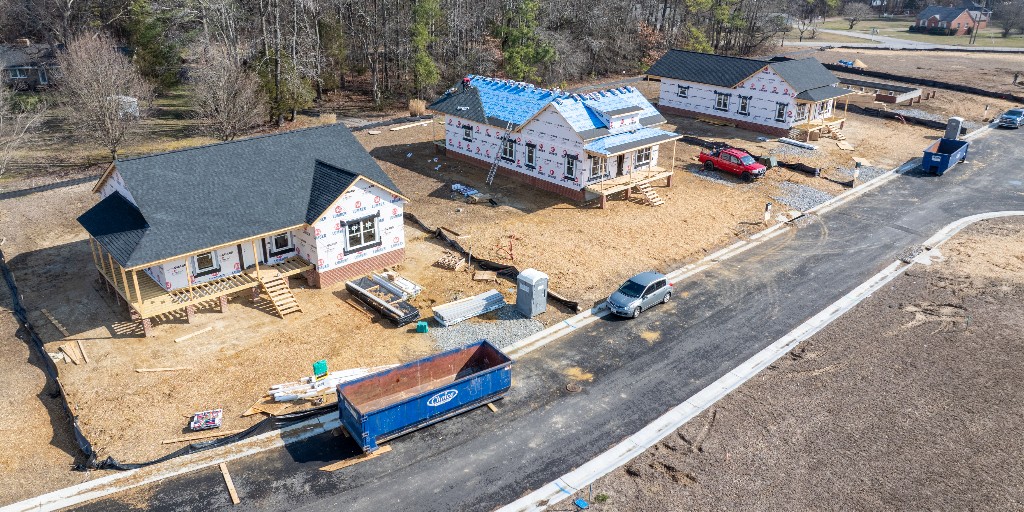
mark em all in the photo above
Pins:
pixel 523 49
pixel 424 69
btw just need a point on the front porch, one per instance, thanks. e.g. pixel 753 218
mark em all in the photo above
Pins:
pixel 627 182
pixel 147 299
pixel 821 117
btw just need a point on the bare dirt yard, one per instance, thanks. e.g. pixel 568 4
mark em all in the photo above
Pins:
pixel 988 70
pixel 909 401
pixel 586 251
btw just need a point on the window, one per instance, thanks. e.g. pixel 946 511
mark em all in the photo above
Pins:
pixel 801 112
pixel 570 166
pixel 780 111
pixel 205 264
pixel 281 244
pixel 19 73
pixel 531 157
pixel 892 93
pixel 721 101
pixel 467 133
pixel 508 150
pixel 362 234
pixel 744 106
pixel 683 91
pixel 643 156
pixel 43 79
pixel 598 168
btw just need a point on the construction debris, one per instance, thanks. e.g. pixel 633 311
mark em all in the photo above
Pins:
pixel 397 284
pixel 356 460
pixel 192 335
pixel 410 125
pixel 464 309
pixel 81 349
pixel 843 145
pixel 231 485
pixel 56 324
pixel 206 420
pixel 169 369
pixel 385 297
pixel 797 143
pixel 451 261
pixel 485 275
pixel 69 354
pixel 308 387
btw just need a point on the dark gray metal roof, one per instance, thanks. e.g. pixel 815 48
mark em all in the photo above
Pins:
pixel 588 135
pixel 823 93
pixel 623 111
pixel 877 85
pixel 203 197
pixel 946 14
pixel 705 68
pixel 116 224
pixel 725 71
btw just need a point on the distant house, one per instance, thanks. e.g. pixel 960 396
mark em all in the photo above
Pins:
pixel 582 146
pixel 954 21
pixel 979 12
pixel 27 66
pixel 178 229
pixel 773 97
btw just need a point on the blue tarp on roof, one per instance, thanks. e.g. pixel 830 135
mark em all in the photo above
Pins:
pixel 615 99
pixel 510 101
pixel 620 142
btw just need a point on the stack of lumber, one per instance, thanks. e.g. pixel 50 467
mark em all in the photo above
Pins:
pixel 464 309
pixel 307 387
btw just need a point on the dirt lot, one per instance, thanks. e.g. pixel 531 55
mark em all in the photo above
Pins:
pixel 992 71
pixel 249 349
pixel 909 401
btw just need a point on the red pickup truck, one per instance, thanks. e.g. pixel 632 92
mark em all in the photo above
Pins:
pixel 733 161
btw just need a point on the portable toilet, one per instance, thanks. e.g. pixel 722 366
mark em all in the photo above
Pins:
pixel 954 128
pixel 532 292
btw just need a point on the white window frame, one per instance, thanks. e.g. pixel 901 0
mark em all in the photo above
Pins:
pixel 43 77
pixel 643 156
pixel 272 249
pixel 598 168
pixel 508 150
pixel 214 267
pixel 683 91
pixel 719 104
pixel 570 166
pixel 801 113
pixel 16 73
pixel 744 106
pixel 531 156
pixel 467 133
pixel 362 226
pixel 780 112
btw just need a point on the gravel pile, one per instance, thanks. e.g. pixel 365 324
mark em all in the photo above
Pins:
pixel 510 327
pixel 866 173
pixel 799 196
pixel 786 149
pixel 715 176
pixel 921 114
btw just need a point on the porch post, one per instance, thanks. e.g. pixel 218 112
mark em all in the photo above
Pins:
pixel 846 105
pixel 124 280
pixel 256 256
pixel 188 275
pixel 92 249
pixel 138 295
pixel 674 144
pixel 113 277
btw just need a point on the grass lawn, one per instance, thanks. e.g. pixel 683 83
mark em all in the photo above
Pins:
pixel 825 38
pixel 897 28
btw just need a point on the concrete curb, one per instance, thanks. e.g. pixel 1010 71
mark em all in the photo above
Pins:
pixel 617 456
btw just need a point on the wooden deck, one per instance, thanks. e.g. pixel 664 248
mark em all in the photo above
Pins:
pixel 155 300
pixel 620 183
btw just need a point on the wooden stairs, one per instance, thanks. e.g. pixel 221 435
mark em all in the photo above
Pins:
pixel 276 287
pixel 833 133
pixel 652 197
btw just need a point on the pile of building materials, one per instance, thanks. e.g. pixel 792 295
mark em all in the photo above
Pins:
pixel 308 387
pixel 451 261
pixel 470 194
pixel 205 420
pixel 464 309
pixel 386 296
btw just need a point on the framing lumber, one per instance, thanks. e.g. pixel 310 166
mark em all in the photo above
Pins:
pixel 135 279
pixel 124 281
pixel 204 436
pixel 188 275
pixel 92 249
pixel 356 460
pixel 113 273
pixel 81 348
pixel 359 309
pixel 231 485
pixel 411 125
pixel 194 334
pixel 69 354
pixel 169 369
pixel 55 323
pixel 256 258
pixel 492 407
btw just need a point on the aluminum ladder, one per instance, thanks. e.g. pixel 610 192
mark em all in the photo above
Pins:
pixel 497 154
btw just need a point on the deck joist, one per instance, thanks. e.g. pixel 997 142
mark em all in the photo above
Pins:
pixel 620 183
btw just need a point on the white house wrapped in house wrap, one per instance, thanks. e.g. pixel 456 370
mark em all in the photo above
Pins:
pixel 779 97
pixel 582 146
pixel 177 229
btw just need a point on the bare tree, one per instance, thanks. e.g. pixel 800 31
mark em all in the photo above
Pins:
pixel 855 12
pixel 805 25
pixel 226 95
pixel 1010 16
pixel 16 123
pixel 102 92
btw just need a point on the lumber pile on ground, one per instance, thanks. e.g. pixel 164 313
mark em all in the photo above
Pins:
pixel 464 309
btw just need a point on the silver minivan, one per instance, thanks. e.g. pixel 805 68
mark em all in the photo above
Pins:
pixel 639 293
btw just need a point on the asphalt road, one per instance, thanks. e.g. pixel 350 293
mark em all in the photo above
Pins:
pixel 640 368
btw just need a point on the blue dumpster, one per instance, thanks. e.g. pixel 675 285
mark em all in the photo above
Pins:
pixel 943 154
pixel 394 402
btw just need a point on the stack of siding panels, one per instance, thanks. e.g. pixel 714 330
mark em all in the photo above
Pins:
pixel 463 309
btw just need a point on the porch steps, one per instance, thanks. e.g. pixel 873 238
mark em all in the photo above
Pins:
pixel 652 197
pixel 276 287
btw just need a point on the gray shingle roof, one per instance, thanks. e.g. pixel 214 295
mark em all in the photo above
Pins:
pixel 725 71
pixel 946 14
pixel 212 195
pixel 822 93
pixel 876 85
pixel 116 224
pixel 705 68
pixel 31 55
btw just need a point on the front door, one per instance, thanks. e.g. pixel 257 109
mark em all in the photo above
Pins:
pixel 621 165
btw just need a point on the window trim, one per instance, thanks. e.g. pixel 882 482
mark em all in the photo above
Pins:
pixel 198 272
pixel 566 174
pixel 467 129
pixel 273 252
pixel 780 111
pixel 718 98
pixel 598 162
pixel 43 77
pixel 21 70
pixel 743 108
pixel 370 245
pixel 509 143
pixel 531 156
pixel 682 91
pixel 649 151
